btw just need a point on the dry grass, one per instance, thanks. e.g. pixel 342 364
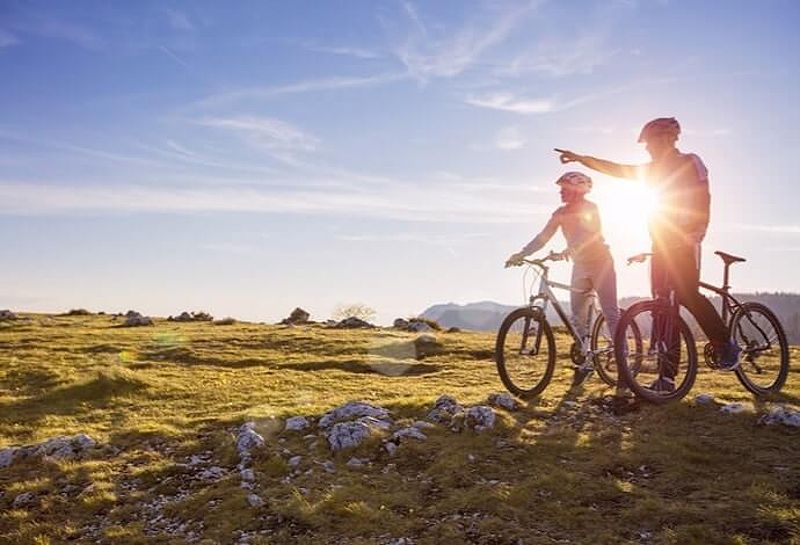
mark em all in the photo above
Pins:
pixel 555 472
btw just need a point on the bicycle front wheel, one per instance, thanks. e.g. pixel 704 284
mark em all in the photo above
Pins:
pixel 602 346
pixel 765 352
pixel 525 352
pixel 662 366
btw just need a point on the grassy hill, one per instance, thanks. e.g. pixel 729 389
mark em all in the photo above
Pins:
pixel 165 401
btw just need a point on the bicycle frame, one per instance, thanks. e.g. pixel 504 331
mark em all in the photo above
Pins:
pixel 545 295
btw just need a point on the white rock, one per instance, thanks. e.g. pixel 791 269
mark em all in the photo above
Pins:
pixel 391 447
pixel 329 466
pixel 255 500
pixel 345 435
pixel 248 439
pixel 295 461
pixel 480 418
pixel 419 327
pixel 704 399
pixel 782 415
pixel 444 409
pixel 421 424
pixel 355 462
pixel 733 408
pixel 135 319
pixel 351 411
pixel 65 447
pixel 7 456
pixel 25 499
pixel 296 423
pixel 248 475
pixel 503 400
pixel 409 433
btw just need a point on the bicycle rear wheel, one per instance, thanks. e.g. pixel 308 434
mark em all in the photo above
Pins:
pixel 765 352
pixel 602 346
pixel 525 352
pixel 667 351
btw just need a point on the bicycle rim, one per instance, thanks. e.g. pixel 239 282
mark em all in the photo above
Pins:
pixel 525 353
pixel 765 351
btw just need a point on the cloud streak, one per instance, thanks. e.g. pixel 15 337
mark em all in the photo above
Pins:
pixel 507 102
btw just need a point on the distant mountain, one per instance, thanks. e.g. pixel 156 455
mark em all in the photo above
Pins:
pixel 487 315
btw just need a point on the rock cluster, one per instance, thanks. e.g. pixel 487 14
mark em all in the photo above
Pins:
pixel 7 315
pixel 135 319
pixel 57 448
pixel 247 440
pixel 191 317
pixel 781 415
pixel 353 323
pixel 416 325
pixel 297 316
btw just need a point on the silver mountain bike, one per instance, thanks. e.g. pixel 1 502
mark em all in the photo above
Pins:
pixel 525 349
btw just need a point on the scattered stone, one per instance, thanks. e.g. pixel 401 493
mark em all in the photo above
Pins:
pixel 296 423
pixel 400 323
pixel 733 408
pixel 417 326
pixel 480 418
pixel 134 319
pixel 400 541
pixel 294 461
pixel 391 447
pixel 8 455
pixel 329 466
pixel 781 415
pixel 347 435
pixel 353 323
pixel 444 409
pixel 192 317
pixel 503 400
pixel 704 399
pixel 297 316
pixel 255 501
pixel 26 499
pixel 248 439
pixel 356 462
pixel 7 315
pixel 248 475
pixel 351 411
pixel 421 424
pixel 213 473
pixel 410 432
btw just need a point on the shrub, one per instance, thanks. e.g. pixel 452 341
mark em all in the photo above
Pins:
pixel 354 310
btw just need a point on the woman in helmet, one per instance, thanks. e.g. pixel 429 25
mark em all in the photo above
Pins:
pixel 593 267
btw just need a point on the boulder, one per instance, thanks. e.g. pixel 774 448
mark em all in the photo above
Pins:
pixel 419 327
pixel 444 409
pixel 353 410
pixel 134 319
pixel 400 323
pixel 453 330
pixel 503 400
pixel 7 315
pixel 480 418
pixel 353 323
pixel 247 440
pixel 296 423
pixel 427 345
pixel 782 415
pixel 411 432
pixel 347 435
pixel 297 316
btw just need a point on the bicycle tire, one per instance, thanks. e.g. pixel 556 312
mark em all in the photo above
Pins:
pixel 744 317
pixel 511 371
pixel 630 375
pixel 607 370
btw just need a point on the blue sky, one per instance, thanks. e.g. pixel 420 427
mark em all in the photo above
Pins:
pixel 251 158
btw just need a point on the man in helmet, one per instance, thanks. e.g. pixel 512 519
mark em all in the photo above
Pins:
pixel 676 229
pixel 593 267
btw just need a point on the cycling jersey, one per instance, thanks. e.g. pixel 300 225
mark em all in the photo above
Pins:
pixel 681 179
pixel 580 223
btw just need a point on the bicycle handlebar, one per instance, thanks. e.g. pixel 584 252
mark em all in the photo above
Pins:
pixel 639 258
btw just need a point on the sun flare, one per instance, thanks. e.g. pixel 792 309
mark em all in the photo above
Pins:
pixel 625 209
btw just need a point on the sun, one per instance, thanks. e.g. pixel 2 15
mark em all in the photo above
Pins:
pixel 625 209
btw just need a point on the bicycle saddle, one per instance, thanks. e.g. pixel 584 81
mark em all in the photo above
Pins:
pixel 728 258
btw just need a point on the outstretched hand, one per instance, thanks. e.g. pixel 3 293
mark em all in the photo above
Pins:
pixel 567 156
pixel 515 260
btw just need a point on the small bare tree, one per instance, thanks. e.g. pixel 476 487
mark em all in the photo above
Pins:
pixel 354 310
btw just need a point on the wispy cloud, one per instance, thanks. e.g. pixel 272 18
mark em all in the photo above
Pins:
pixel 322 84
pixel 178 19
pixel 358 52
pixel 452 52
pixel 778 229
pixel 169 53
pixel 273 135
pixel 507 102
pixel 7 39
pixel 564 57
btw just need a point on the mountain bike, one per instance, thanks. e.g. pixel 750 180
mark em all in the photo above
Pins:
pixel 671 350
pixel 525 349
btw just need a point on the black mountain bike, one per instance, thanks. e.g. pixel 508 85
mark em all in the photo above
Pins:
pixel 669 348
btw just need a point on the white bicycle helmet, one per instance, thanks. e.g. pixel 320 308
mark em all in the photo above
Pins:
pixel 576 180
pixel 662 125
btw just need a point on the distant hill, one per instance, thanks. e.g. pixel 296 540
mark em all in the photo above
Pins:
pixel 487 315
